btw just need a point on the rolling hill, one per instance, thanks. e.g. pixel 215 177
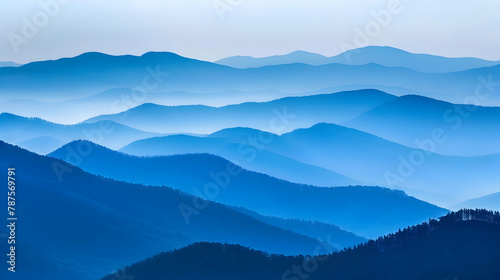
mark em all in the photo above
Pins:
pixel 442 180
pixel 243 62
pixel 366 157
pixel 9 64
pixel 386 56
pixel 277 116
pixel 42 136
pixel 117 100
pixel 222 181
pixel 491 202
pixel 85 225
pixel 335 236
pixel 411 119
pixel 92 73
pixel 455 247
pixel 393 57
pixel 240 150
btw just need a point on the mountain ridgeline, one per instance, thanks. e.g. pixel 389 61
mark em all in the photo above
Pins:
pixel 431 250
pixel 292 167
pixel 366 211
pixel 91 73
pixel 386 56
pixel 439 179
pixel 282 115
pixel 76 225
pixel 42 137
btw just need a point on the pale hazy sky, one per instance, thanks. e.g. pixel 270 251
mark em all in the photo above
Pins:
pixel 194 28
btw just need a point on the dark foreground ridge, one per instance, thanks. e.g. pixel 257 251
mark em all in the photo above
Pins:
pixel 460 245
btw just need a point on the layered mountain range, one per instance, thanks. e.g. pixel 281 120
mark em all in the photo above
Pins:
pixel 241 168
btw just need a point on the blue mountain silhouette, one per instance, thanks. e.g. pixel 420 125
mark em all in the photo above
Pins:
pixel 439 179
pixel 253 62
pixel 120 99
pixel 91 73
pixel 284 114
pixel 491 201
pixel 9 64
pixel 387 56
pixel 42 136
pixel 199 174
pixel 335 236
pixel 83 226
pixel 469 130
pixel 432 250
pixel 239 150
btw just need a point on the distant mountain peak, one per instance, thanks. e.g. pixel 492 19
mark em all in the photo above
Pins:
pixel 12 117
pixel 94 54
pixel 387 48
pixel 156 54
pixel 148 106
pixel 9 64
pixel 238 131
pixel 326 127
pixel 302 52
pixel 381 55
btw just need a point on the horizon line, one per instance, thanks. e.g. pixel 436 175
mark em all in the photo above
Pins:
pixel 242 55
